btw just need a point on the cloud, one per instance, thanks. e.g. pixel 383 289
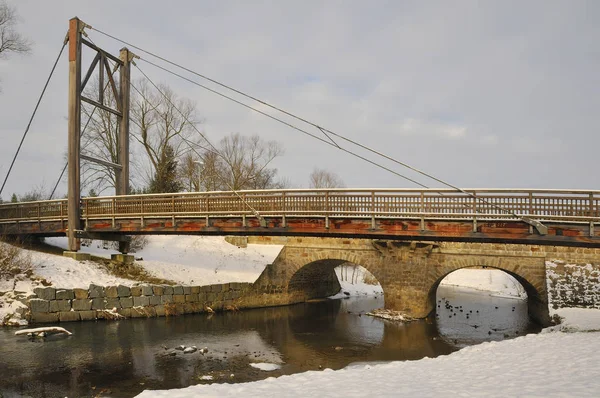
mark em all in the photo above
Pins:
pixel 424 128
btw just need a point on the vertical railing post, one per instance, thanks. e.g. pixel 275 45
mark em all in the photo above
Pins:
pixel 592 231
pixel 84 211
pixel 207 209
pixel 283 210
pixel 327 210
pixel 373 210
pixel 531 211
pixel 475 211
pixel 113 209
pixel 422 209
pixel 173 211
pixel 142 211
pixel 243 211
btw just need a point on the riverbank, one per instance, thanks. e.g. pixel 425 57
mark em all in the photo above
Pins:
pixel 554 363
pixel 186 260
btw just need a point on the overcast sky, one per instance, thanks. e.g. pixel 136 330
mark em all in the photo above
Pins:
pixel 482 94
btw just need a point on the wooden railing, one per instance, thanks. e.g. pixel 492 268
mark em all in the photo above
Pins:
pixel 484 204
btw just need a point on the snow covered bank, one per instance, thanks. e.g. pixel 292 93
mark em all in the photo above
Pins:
pixel 551 364
pixel 494 281
pixel 354 285
pixel 576 320
pixel 187 260
pixel 200 260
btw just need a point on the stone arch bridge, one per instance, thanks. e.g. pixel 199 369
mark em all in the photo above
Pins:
pixel 410 271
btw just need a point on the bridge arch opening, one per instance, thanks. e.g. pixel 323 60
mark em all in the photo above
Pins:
pixel 484 303
pixel 333 277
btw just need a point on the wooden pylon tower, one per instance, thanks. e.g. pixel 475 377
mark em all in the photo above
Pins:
pixel 121 93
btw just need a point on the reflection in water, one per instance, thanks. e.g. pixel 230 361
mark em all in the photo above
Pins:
pixel 122 358
pixel 467 316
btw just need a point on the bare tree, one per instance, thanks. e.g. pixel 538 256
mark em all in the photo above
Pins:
pixel 11 41
pixel 101 139
pixel 164 122
pixel 243 163
pixel 189 172
pixel 321 178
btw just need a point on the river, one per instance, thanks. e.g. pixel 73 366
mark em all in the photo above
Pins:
pixel 122 358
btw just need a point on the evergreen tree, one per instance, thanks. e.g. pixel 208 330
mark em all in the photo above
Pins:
pixel 165 178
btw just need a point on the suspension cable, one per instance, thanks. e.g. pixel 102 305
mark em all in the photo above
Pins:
pixel 65 41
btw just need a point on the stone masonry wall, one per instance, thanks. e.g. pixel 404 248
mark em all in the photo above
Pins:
pixel 573 285
pixel 50 304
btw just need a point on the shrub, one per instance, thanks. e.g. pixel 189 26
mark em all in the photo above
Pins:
pixel 12 261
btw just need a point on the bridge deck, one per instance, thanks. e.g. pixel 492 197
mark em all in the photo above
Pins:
pixel 488 215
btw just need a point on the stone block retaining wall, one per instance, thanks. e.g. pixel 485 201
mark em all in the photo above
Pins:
pixel 51 304
pixel 573 285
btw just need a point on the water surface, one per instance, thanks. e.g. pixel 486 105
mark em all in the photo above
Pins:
pixel 122 358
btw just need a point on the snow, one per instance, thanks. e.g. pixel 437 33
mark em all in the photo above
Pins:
pixel 355 286
pixel 495 281
pixel 577 320
pixel 551 364
pixel 267 367
pixel 195 260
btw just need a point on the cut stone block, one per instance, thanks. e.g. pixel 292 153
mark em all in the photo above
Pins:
pixel 111 291
pixel 191 298
pixel 98 303
pixel 136 290
pixel 87 315
pixel 45 293
pixel 65 294
pixel 147 290
pixel 179 298
pixel 126 302
pixel 77 256
pixel 123 291
pixel 39 305
pixel 141 301
pixel 122 258
pixel 126 312
pixel 158 290
pixel 68 316
pixel 44 317
pixel 96 291
pixel 112 303
pixel 60 305
pixel 177 289
pixel 81 305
